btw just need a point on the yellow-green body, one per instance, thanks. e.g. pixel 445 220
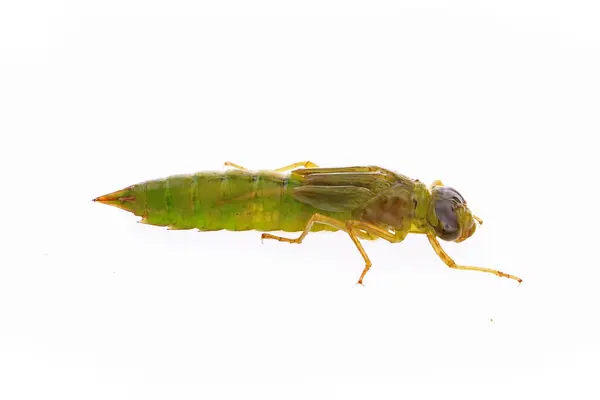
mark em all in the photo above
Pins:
pixel 239 200
pixel 234 200
pixel 365 202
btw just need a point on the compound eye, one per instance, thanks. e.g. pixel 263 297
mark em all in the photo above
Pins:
pixel 447 200
pixel 453 194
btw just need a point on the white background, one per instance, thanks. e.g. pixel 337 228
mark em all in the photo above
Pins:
pixel 498 99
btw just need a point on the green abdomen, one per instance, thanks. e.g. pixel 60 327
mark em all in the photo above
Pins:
pixel 233 200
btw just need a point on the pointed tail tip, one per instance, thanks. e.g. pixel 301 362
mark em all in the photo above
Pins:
pixel 118 197
pixel 104 199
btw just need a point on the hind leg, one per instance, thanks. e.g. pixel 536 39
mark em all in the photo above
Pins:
pixel 355 229
pixel 322 219
pixel 300 164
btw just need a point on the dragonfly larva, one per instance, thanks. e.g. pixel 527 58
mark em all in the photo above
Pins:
pixel 365 202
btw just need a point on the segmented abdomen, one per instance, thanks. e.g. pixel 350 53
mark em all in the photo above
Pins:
pixel 233 200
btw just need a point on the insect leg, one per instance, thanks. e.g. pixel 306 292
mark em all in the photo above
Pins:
pixel 303 164
pixel 375 231
pixel 354 226
pixel 450 262
pixel 319 218
pixel 322 219
pixel 363 253
pixel 233 165
pixel 310 171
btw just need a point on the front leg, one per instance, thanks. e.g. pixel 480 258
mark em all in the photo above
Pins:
pixel 450 262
